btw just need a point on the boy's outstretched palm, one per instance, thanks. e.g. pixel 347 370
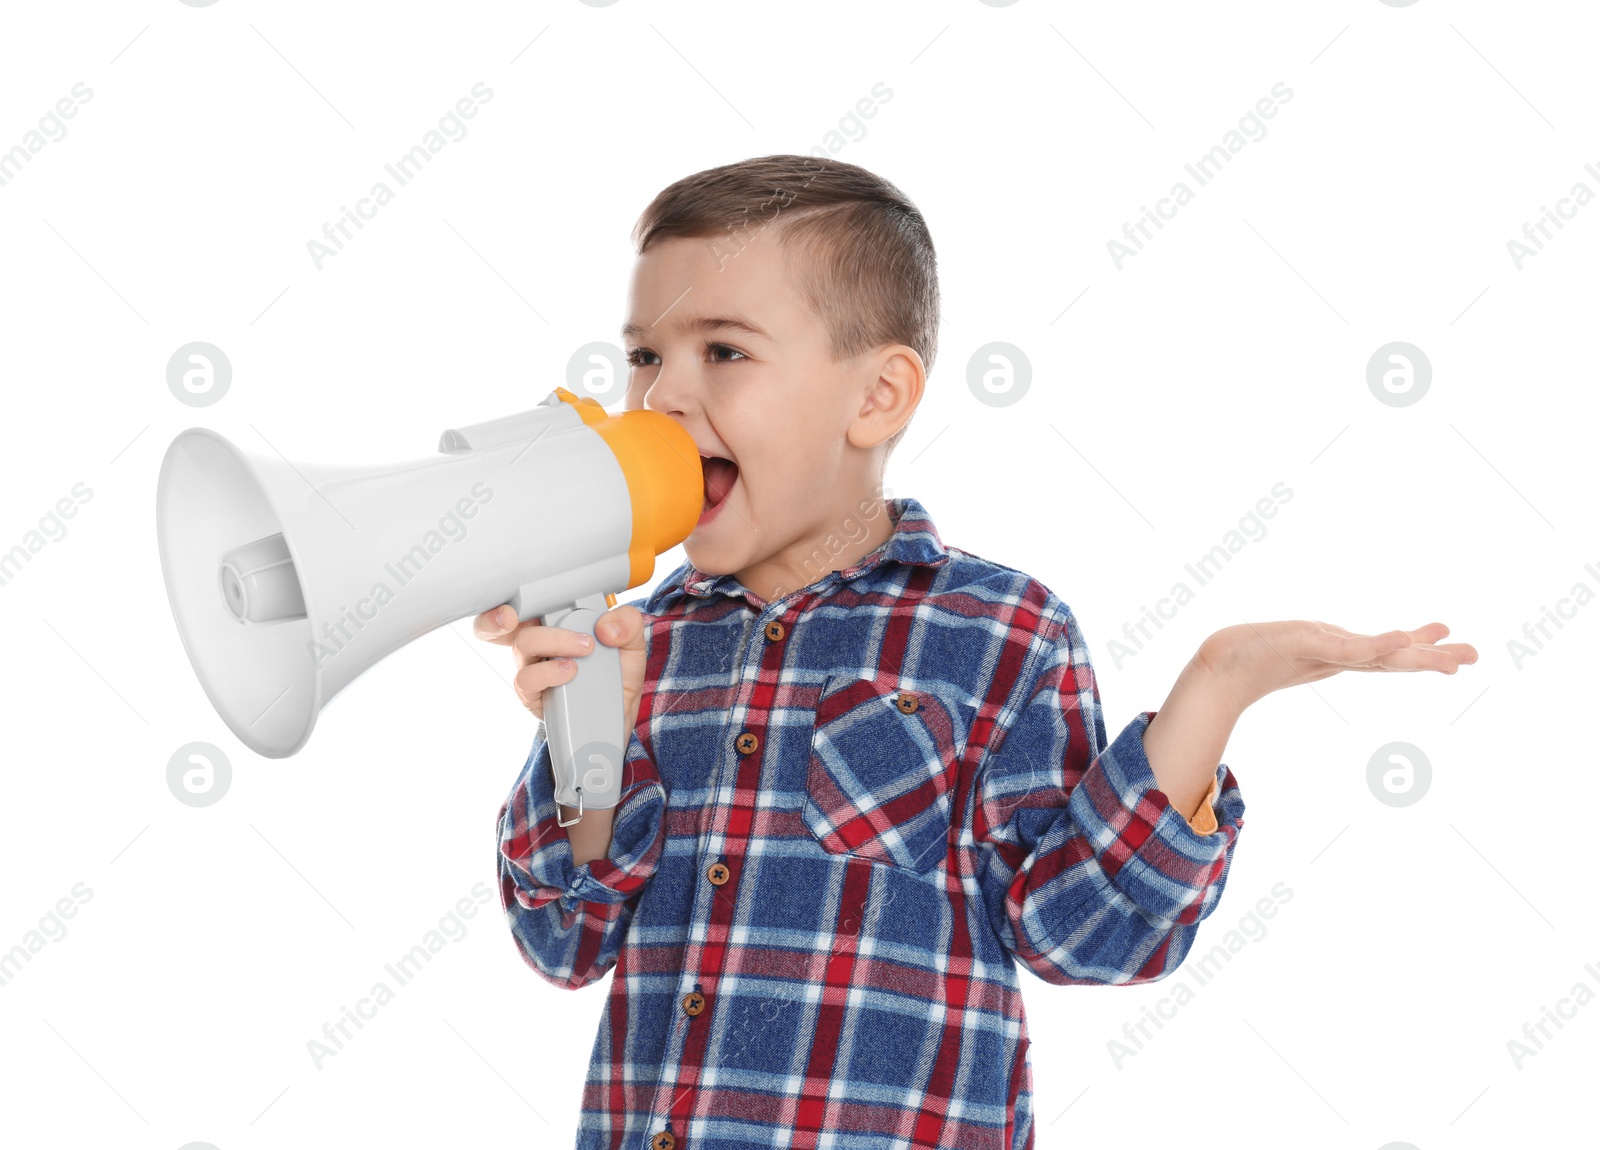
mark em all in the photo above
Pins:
pixel 1251 660
pixel 1239 665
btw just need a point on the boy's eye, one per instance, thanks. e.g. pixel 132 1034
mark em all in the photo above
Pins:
pixel 643 357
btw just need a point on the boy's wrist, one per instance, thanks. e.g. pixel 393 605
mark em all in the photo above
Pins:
pixel 590 836
pixel 1185 741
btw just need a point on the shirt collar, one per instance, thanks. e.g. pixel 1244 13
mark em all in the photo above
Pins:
pixel 915 541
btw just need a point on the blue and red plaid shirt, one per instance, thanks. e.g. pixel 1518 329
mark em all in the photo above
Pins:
pixel 847 815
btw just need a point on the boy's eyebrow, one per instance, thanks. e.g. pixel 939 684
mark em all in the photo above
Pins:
pixel 705 323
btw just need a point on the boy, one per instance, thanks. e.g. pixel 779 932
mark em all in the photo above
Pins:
pixel 866 773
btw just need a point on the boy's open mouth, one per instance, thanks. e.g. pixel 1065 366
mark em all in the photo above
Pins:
pixel 719 476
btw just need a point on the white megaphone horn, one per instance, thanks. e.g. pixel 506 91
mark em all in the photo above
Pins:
pixel 288 581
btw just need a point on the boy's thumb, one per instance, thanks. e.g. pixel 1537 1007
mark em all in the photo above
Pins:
pixel 620 626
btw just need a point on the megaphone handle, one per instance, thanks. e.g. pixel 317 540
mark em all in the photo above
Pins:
pixel 583 717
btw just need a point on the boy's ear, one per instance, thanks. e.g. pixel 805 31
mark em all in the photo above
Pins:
pixel 890 398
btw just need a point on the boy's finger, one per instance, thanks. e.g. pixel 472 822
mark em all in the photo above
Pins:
pixel 530 682
pixel 494 624
pixel 621 627
pixel 536 641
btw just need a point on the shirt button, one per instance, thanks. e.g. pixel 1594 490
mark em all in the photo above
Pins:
pixel 747 743
pixel 663 1141
pixel 774 630
pixel 693 1003
pixel 906 701
pixel 718 873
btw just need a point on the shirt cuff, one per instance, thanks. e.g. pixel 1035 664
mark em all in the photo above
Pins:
pixel 542 858
pixel 1148 850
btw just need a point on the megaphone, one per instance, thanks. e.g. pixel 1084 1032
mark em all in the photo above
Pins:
pixel 287 581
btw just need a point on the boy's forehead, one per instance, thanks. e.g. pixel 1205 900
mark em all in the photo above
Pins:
pixel 682 282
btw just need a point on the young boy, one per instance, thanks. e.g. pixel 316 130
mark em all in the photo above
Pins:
pixel 867 773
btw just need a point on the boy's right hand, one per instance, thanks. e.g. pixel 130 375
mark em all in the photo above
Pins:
pixel 545 655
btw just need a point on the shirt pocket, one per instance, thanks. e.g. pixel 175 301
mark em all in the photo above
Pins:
pixel 883 762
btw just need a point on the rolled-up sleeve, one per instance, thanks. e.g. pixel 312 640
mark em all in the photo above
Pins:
pixel 569 919
pixel 1088 873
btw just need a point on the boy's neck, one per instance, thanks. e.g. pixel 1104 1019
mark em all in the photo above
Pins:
pixel 840 542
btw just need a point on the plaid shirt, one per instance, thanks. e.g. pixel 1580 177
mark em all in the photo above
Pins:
pixel 847 814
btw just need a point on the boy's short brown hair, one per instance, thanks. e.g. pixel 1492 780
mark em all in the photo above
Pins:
pixel 871 275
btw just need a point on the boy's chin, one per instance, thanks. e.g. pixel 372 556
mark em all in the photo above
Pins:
pixel 711 557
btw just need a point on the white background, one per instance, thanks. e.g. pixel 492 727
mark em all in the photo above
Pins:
pixel 1169 397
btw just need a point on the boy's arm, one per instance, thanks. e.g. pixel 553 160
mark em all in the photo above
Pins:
pixel 568 914
pixel 1184 742
pixel 590 836
pixel 1089 873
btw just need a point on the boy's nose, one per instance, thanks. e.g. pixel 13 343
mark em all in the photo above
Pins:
pixel 669 394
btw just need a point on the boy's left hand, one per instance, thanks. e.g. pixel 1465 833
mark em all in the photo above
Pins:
pixel 1251 660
